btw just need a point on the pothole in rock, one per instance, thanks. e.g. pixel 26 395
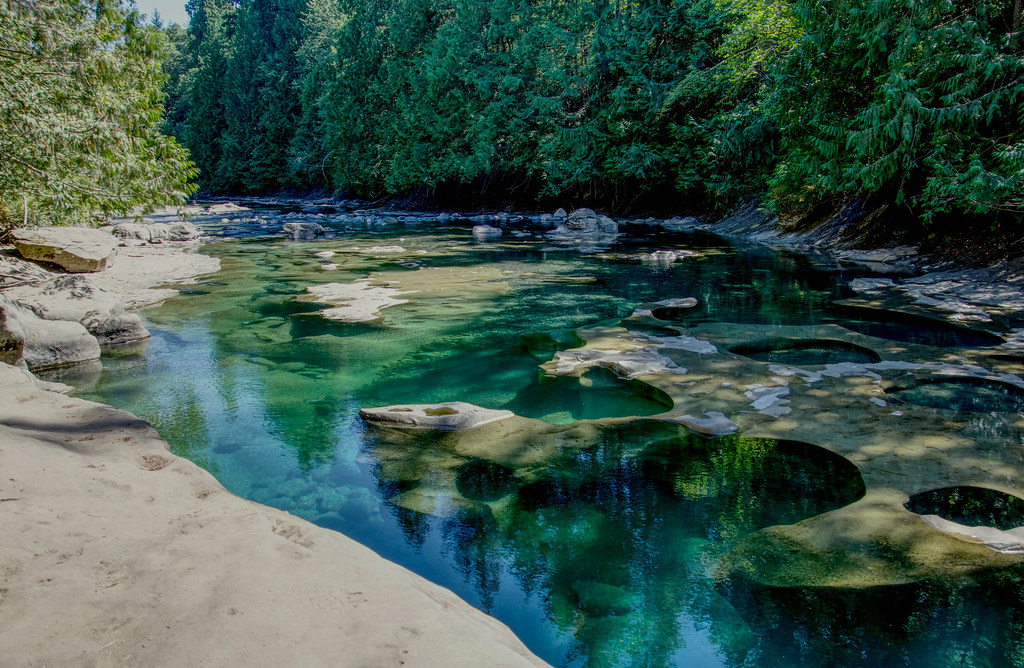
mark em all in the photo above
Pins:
pixel 796 352
pixel 598 393
pixel 976 395
pixel 970 506
pixel 676 314
pixel 909 328
pixel 727 485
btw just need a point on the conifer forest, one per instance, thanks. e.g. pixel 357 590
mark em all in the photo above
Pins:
pixel 693 104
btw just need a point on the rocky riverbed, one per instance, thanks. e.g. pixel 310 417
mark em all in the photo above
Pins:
pixel 849 393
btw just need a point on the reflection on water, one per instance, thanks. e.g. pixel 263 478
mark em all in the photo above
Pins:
pixel 972 506
pixel 964 394
pixel 619 532
pixel 805 353
pixel 604 552
pixel 912 328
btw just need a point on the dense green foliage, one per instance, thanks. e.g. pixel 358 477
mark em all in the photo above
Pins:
pixel 80 113
pixel 701 101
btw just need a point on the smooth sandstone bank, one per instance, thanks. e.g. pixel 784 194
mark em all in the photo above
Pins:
pixel 117 552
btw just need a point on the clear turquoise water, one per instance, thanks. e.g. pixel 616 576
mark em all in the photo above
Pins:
pixel 605 554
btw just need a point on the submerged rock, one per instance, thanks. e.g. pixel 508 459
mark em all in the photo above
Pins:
pixel 598 599
pixel 666 258
pixel 357 301
pixel 74 249
pixel 449 415
pixel 1010 541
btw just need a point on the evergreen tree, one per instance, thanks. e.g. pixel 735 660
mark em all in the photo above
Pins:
pixel 80 112
pixel 917 99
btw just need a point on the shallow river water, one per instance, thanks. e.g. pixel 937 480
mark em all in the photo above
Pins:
pixel 604 553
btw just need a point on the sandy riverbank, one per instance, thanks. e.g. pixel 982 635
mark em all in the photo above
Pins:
pixel 116 552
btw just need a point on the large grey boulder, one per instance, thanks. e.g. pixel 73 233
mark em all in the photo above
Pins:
pixel 486 233
pixel 156 232
pixel 450 415
pixel 584 225
pixel 118 329
pixel 304 230
pixel 42 344
pixel 74 249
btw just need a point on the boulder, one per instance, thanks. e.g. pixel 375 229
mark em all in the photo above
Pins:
pixel 42 344
pixel 118 329
pixel 486 233
pixel 303 230
pixel 450 415
pixel 67 297
pixel 74 249
pixel 586 225
pixel 678 224
pixel 156 232
pixel 75 298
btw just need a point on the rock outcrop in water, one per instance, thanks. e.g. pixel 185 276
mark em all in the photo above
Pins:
pixel 303 230
pixel 450 415
pixel 486 233
pixel 586 228
pixel 358 301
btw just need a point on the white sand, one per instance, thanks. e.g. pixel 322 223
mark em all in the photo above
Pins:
pixel 116 552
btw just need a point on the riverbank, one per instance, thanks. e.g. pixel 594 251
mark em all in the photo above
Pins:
pixel 118 552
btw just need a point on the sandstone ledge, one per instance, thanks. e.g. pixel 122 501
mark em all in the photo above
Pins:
pixel 118 552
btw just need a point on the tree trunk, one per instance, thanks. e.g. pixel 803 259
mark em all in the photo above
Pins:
pixel 1016 15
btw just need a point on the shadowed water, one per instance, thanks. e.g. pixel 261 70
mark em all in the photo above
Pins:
pixel 604 554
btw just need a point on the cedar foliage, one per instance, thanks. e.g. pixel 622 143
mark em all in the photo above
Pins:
pixel 80 114
pixel 705 101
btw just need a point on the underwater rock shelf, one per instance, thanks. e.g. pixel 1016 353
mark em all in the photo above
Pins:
pixel 840 403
